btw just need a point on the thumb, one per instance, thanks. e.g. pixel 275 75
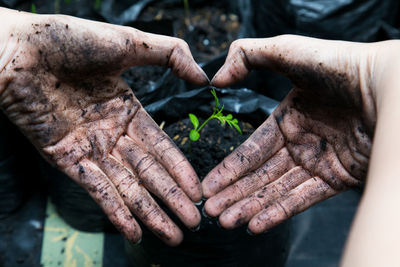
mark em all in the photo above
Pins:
pixel 299 58
pixel 154 49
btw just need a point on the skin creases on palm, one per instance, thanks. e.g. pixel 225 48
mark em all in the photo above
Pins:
pixel 78 133
pixel 311 148
pixel 83 118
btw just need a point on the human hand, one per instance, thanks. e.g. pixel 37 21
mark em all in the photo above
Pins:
pixel 315 144
pixel 60 83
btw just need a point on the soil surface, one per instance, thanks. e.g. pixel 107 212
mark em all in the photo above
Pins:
pixel 216 142
pixel 141 76
pixel 208 30
pixel 143 81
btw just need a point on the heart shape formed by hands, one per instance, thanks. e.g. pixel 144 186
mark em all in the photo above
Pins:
pixel 60 84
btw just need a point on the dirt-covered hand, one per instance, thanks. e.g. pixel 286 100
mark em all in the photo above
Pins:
pixel 60 84
pixel 315 144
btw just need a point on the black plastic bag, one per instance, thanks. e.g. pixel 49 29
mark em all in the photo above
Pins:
pixel 18 172
pixel 352 20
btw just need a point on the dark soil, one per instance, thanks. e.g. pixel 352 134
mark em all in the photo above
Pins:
pixel 215 143
pixel 208 30
pixel 142 76
pixel 143 80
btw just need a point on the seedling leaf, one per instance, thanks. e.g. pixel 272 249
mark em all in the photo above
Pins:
pixel 221 120
pixel 194 120
pixel 194 135
pixel 237 128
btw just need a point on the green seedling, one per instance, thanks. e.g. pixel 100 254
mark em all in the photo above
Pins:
pixel 217 114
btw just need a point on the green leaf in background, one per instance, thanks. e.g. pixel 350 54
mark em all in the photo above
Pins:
pixel 194 120
pixel 194 135
pixel 33 8
pixel 97 4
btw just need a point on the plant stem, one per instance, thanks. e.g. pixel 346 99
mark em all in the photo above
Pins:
pixel 205 122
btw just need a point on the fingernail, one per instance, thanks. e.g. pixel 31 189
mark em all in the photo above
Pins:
pixel 204 74
pixel 250 233
pixel 199 203
pixel 195 229
pixel 138 242
pixel 203 211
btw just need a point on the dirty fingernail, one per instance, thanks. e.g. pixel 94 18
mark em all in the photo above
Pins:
pixel 204 74
pixel 195 229
pixel 203 211
pixel 249 232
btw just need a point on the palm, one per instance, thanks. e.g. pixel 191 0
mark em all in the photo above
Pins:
pixel 71 103
pixel 325 137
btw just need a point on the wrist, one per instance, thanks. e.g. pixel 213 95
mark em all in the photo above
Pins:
pixel 7 39
pixel 385 72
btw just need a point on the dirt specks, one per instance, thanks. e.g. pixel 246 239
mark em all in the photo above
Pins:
pixel 127 97
pixel 81 169
pixel 322 144
pixel 145 45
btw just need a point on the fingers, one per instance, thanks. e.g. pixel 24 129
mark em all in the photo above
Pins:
pixel 258 148
pixel 244 210
pixel 298 57
pixel 157 180
pixel 140 202
pixel 154 49
pixel 146 133
pixel 90 177
pixel 305 195
pixel 271 170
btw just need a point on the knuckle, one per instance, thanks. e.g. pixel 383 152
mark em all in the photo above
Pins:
pixel 182 44
pixel 173 192
pixel 236 44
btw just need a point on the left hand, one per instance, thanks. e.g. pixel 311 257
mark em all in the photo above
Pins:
pixel 60 84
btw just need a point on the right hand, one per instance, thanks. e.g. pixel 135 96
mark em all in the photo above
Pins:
pixel 316 143
pixel 60 84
